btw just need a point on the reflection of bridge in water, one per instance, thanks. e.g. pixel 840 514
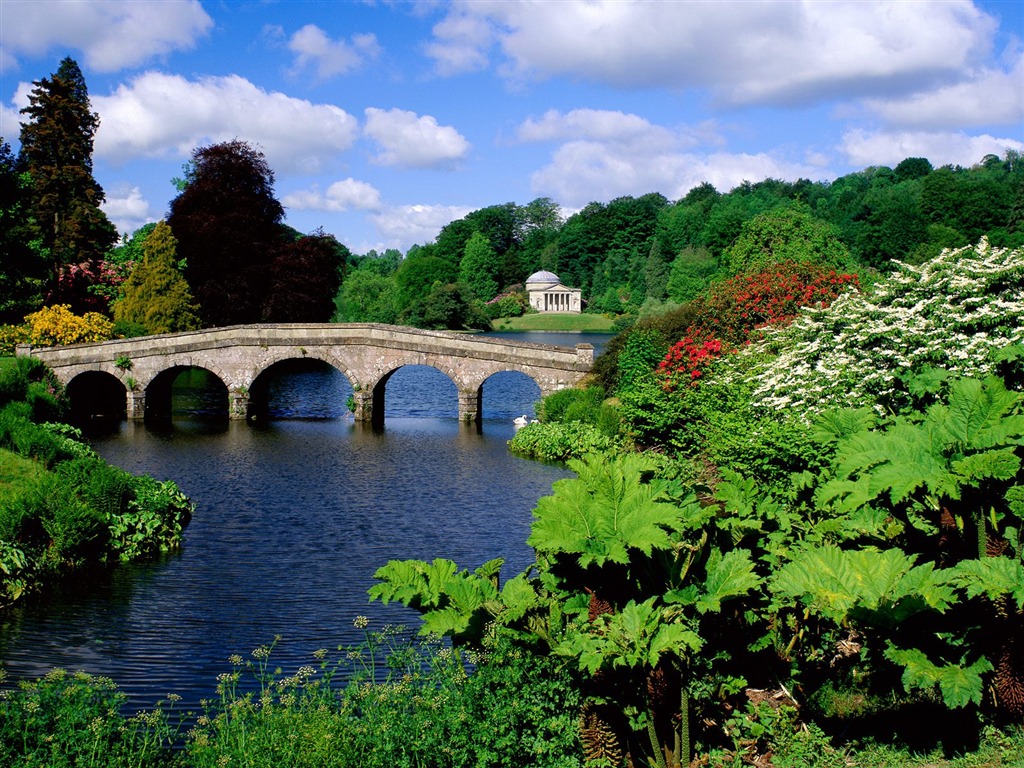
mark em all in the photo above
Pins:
pixel 367 354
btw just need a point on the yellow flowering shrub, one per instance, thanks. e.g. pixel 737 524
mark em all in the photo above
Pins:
pixel 10 337
pixel 56 325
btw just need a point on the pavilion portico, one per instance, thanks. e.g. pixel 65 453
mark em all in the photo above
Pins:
pixel 547 294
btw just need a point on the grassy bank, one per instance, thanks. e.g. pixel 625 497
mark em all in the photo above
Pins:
pixel 556 322
pixel 63 509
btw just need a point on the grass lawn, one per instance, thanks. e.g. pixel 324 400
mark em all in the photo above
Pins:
pixel 555 322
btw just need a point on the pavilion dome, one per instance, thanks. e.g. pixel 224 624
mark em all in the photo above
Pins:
pixel 543 277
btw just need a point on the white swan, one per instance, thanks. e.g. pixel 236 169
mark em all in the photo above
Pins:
pixel 520 421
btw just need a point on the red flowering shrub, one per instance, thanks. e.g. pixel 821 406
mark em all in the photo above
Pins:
pixel 90 287
pixel 732 311
pixel 687 359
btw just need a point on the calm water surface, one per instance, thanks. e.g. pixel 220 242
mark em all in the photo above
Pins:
pixel 294 516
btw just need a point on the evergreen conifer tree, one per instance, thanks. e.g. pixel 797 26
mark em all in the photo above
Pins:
pixel 156 294
pixel 64 198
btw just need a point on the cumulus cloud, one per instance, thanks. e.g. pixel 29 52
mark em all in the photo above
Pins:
pixel 348 194
pixel 865 148
pixel 111 34
pixel 127 208
pixel 771 52
pixel 313 49
pixel 160 115
pixel 988 96
pixel 404 225
pixel 585 171
pixel 408 140
pixel 605 154
pixel 10 122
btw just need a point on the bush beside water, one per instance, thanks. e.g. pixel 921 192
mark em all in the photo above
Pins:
pixel 62 508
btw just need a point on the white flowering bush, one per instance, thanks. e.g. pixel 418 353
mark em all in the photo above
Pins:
pixel 951 312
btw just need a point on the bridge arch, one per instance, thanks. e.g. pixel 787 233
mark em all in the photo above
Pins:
pixel 261 391
pixel 375 393
pixel 492 400
pixel 97 394
pixel 158 399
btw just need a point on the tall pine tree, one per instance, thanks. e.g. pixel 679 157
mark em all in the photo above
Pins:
pixel 64 198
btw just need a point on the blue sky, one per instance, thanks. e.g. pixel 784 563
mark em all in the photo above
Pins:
pixel 385 120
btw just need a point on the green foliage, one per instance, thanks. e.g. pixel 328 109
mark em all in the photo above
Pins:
pixel 479 267
pixel 64 198
pixel 785 234
pixel 453 602
pixel 66 720
pixel 82 513
pixel 559 441
pixel 156 295
pixel 691 273
pixel 367 297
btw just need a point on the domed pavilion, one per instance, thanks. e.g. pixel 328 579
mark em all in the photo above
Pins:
pixel 547 294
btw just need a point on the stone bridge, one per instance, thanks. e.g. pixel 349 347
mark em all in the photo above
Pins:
pixel 367 354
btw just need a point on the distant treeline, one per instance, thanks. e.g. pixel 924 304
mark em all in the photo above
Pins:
pixel 634 250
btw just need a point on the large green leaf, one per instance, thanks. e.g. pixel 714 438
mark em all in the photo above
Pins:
pixel 959 684
pixel 993 577
pixel 979 415
pixel 882 586
pixel 728 576
pixel 606 512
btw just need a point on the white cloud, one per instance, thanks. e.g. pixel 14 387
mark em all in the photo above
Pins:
pixel 867 148
pixel 313 48
pixel 128 209
pixel 405 225
pixel 585 171
pixel 989 96
pixel 348 194
pixel 10 123
pixel 770 52
pixel 606 154
pixel 160 115
pixel 407 140
pixel 462 40
pixel 111 34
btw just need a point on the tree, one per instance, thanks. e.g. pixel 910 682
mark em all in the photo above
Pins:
pixel 305 277
pixel 228 226
pixel 479 266
pixel 418 273
pixel 367 297
pixel 449 306
pixel 22 268
pixel 691 273
pixel 65 199
pixel 156 295
pixel 784 234
pixel 656 272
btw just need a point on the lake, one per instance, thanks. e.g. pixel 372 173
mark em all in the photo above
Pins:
pixel 295 513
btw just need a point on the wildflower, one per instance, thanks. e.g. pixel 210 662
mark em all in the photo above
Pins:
pixel 361 622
